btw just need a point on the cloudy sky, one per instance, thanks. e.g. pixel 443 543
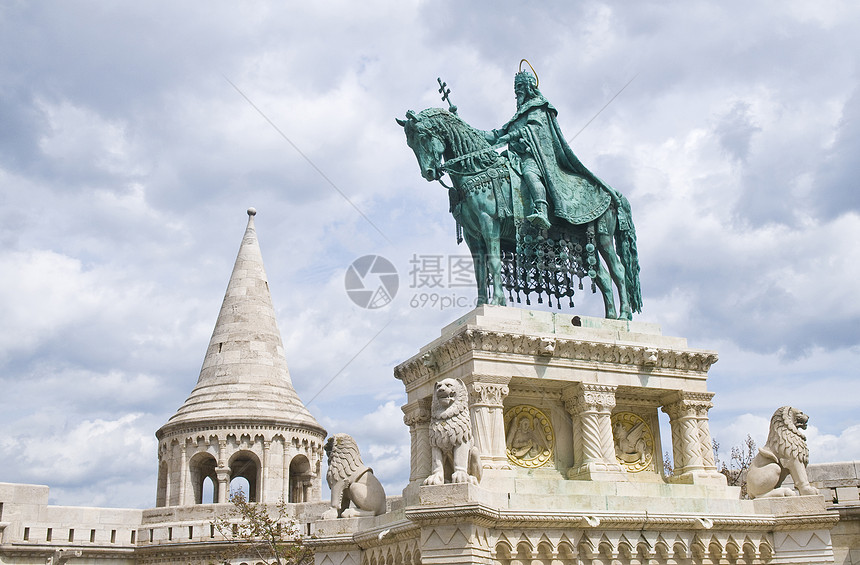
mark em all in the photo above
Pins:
pixel 133 137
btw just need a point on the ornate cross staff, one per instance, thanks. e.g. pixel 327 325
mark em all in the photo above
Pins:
pixel 445 92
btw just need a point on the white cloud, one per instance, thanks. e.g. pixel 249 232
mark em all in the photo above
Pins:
pixel 830 447
pixel 77 138
pixel 735 434
pixel 47 293
pixel 89 451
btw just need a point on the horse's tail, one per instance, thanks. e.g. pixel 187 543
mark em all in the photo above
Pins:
pixel 625 243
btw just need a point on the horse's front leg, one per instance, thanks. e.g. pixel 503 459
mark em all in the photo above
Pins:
pixel 479 261
pixel 491 229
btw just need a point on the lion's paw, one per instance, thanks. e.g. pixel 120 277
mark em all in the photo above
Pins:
pixel 330 514
pixel 435 479
pixel 807 490
pixel 779 492
pixel 460 477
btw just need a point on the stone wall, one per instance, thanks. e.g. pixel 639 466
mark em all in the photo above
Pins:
pixel 840 485
pixel 31 530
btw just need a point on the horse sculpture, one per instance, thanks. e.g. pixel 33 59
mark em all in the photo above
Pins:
pixel 487 201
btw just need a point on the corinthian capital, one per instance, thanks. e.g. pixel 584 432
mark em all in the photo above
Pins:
pixel 416 413
pixel 487 394
pixel 587 396
pixel 689 404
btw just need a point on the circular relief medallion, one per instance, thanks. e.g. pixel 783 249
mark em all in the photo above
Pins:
pixel 634 442
pixel 529 436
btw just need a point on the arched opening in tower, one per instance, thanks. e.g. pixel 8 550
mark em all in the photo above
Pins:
pixel 240 484
pixel 246 465
pixel 202 467
pixel 210 491
pixel 300 479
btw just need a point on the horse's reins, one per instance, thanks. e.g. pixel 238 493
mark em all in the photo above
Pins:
pixel 445 166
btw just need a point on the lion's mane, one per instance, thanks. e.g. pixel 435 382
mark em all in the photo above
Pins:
pixel 450 425
pixel 344 458
pixel 785 440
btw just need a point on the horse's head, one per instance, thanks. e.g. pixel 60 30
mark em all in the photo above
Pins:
pixel 428 148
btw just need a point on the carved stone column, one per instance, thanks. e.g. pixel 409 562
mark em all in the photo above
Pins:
pixel 488 421
pixel 223 475
pixel 264 475
pixel 222 452
pixel 222 472
pixel 183 471
pixel 416 415
pixel 171 476
pixel 692 445
pixel 708 461
pixel 590 407
pixel 285 470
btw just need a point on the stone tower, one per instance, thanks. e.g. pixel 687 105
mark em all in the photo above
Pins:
pixel 243 418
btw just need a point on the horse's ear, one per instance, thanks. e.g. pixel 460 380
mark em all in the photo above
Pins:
pixel 411 115
pixel 401 122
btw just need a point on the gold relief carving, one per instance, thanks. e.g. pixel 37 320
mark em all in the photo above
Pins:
pixel 634 442
pixel 529 436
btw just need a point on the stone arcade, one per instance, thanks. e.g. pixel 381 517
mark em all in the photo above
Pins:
pixel 564 418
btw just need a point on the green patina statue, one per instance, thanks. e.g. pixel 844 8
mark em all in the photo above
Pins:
pixel 534 217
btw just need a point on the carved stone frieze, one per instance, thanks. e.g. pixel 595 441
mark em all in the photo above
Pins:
pixel 534 392
pixel 471 340
pixel 636 399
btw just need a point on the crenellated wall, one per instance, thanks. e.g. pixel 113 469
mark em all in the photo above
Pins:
pixel 31 530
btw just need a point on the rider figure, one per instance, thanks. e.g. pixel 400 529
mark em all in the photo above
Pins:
pixel 547 163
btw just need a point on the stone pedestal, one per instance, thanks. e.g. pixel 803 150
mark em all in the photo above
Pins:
pixel 580 388
pixel 565 415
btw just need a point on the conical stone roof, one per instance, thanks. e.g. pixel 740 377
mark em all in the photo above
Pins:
pixel 244 379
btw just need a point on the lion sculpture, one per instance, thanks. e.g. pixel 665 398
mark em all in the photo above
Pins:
pixel 351 481
pixel 453 457
pixel 785 453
